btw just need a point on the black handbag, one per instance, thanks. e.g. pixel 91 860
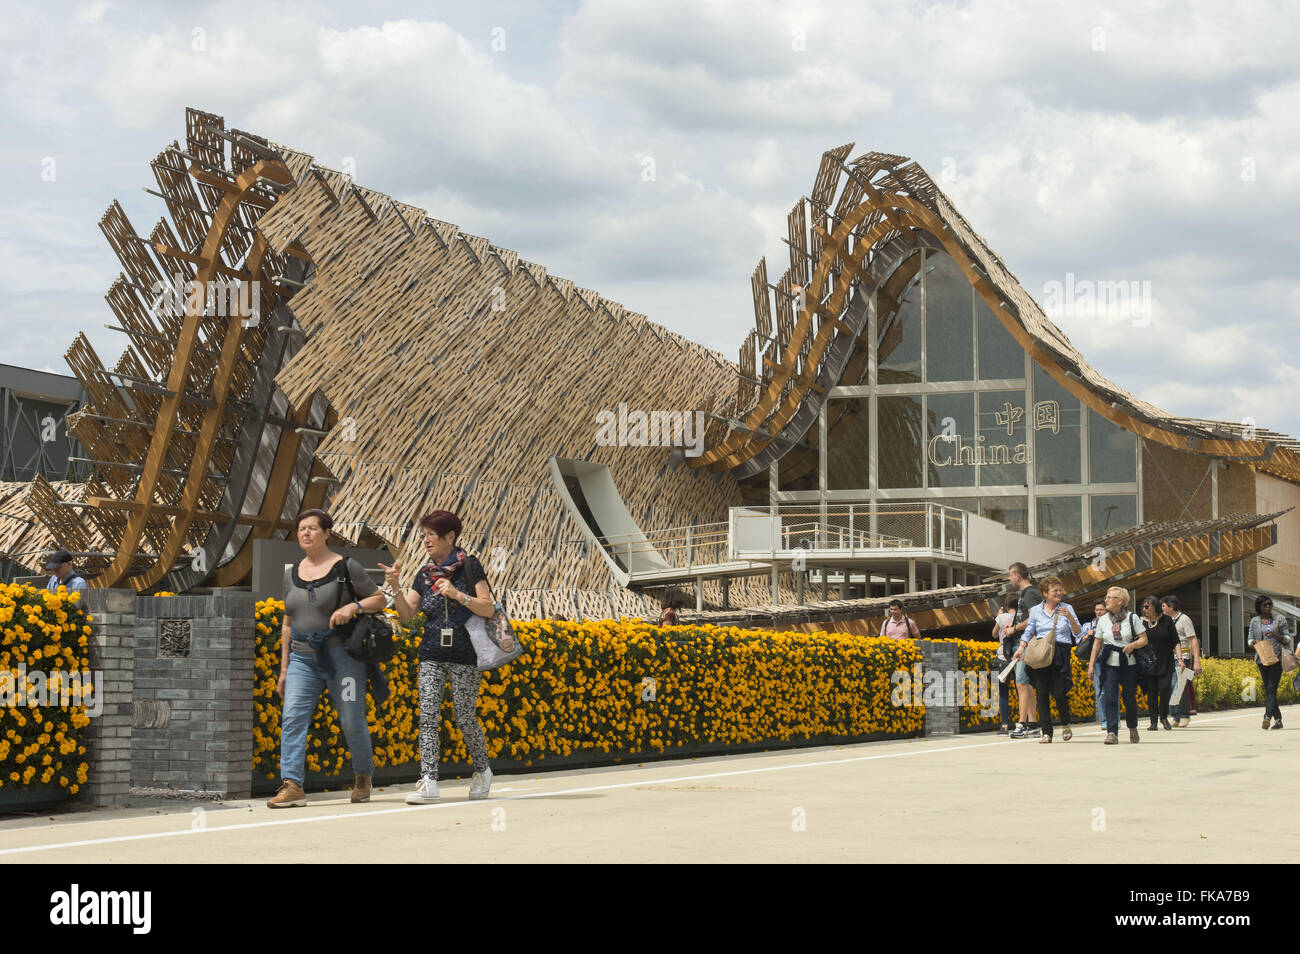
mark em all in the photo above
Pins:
pixel 1145 659
pixel 367 637
pixel 1083 649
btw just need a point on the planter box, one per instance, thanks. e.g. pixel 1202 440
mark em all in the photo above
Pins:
pixel 36 797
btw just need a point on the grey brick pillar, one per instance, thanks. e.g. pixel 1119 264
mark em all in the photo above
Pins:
pixel 194 693
pixel 945 717
pixel 108 737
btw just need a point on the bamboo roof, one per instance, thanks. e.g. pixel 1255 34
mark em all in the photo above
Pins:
pixel 860 216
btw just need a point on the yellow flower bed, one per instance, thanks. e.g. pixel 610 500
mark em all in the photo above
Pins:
pixel 43 633
pixel 627 688
pixel 619 687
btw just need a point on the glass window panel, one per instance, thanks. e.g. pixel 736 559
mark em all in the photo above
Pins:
pixel 1000 449
pixel 1000 356
pixel 1058 432
pixel 848 435
pixel 899 325
pixel 901 442
pixel 797 470
pixel 1011 512
pixel 949 415
pixel 949 322
pixel 1112 452
pixel 1061 519
pixel 1111 512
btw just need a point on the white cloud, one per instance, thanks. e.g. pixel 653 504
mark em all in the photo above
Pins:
pixel 1124 162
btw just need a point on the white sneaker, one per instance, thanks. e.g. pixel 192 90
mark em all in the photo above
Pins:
pixel 426 792
pixel 482 782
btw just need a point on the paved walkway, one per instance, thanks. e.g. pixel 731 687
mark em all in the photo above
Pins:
pixel 940 800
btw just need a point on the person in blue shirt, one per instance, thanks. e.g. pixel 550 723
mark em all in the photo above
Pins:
pixel 1056 619
pixel 60 564
pixel 1089 628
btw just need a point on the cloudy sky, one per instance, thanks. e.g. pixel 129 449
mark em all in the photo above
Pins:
pixel 1133 142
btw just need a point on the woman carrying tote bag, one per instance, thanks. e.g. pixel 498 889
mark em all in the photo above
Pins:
pixel 1045 646
pixel 450 590
pixel 1270 636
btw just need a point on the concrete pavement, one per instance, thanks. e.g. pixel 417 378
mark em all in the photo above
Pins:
pixel 1180 796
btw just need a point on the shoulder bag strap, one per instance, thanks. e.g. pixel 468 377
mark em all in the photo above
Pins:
pixel 345 579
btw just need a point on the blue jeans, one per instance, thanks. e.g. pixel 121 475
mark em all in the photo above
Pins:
pixel 302 688
pixel 1180 708
pixel 1096 688
pixel 1113 679
pixel 1272 676
pixel 1004 695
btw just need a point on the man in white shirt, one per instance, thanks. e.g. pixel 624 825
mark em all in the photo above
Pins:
pixel 1190 647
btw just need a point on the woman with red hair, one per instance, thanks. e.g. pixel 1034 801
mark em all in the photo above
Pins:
pixel 450 590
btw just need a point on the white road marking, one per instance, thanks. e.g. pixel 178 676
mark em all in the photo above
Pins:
pixel 462 803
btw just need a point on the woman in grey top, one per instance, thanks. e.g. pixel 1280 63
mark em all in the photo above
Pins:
pixel 312 656
pixel 1273 629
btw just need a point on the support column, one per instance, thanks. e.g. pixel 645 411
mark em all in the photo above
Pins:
pixel 112 661
pixel 911 576
pixel 194 666
pixel 945 717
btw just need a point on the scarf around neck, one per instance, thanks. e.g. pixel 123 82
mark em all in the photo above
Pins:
pixel 447 568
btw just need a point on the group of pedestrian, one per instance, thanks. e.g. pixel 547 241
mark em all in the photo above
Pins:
pixel 324 591
pixel 1110 642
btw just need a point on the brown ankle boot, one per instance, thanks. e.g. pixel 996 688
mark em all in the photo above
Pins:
pixel 361 789
pixel 290 795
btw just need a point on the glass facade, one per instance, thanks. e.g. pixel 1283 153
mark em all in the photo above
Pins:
pixel 949 416
pixel 1058 432
pixel 898 335
pixel 999 355
pixel 848 451
pixel 902 447
pixel 956 412
pixel 1061 519
pixel 1012 512
pixel 949 318
pixel 1112 451
pixel 1111 512
pixel 1001 446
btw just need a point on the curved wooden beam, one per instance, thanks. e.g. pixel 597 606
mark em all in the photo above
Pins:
pixel 771 404
pixel 777 406
pixel 177 378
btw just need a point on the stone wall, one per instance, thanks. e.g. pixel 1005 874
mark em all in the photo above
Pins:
pixel 178 694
